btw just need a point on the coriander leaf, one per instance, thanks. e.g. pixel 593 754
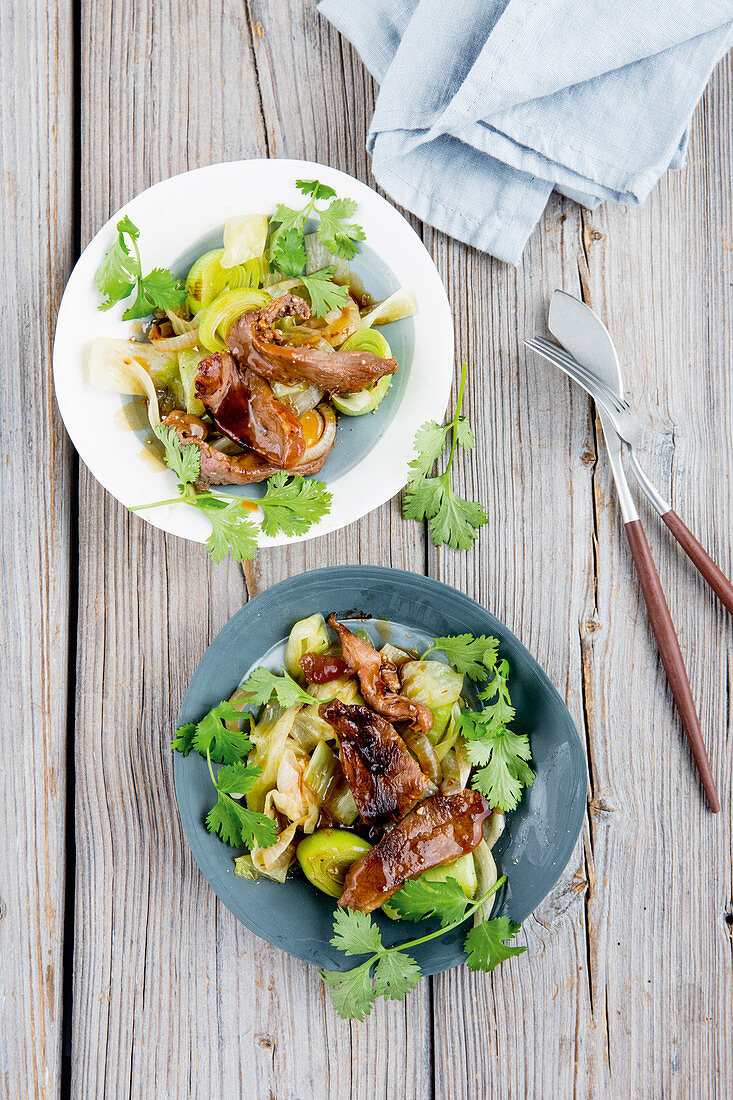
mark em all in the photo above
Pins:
pixel 484 944
pixel 325 295
pixel 429 442
pixel 163 289
pixel 469 655
pixel 421 898
pixel 288 252
pixel 260 685
pixel 127 226
pixel 464 434
pixel 352 992
pixel 355 933
pixel 237 778
pixel 185 462
pixel 287 218
pixel 115 275
pixel 183 740
pixel 236 825
pixel 422 497
pixel 232 531
pixel 455 521
pixel 336 232
pixel 292 504
pixel 506 772
pixel 225 746
pixel 141 307
pixel 396 973
pixel 316 189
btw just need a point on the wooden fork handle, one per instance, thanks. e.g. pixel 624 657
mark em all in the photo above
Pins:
pixel 669 651
pixel 699 556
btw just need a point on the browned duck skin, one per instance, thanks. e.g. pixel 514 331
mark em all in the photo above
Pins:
pixel 437 831
pixel 218 468
pixel 257 344
pixel 385 780
pixel 378 679
pixel 244 408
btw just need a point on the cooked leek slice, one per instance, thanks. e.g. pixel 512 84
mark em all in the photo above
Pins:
pixel 366 400
pixel 463 870
pixel 218 317
pixel 326 856
pixel 124 367
pixel 301 397
pixel 343 808
pixel 245 868
pixel 245 238
pixel 319 773
pixel 317 256
pixel 188 365
pixel 431 682
pixel 345 688
pixel 199 286
pixel 307 636
pixel 268 737
pixel 398 305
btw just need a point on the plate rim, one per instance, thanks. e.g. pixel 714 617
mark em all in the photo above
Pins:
pixel 187 523
pixel 195 834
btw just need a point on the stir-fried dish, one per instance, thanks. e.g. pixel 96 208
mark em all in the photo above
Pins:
pixel 250 358
pixel 368 771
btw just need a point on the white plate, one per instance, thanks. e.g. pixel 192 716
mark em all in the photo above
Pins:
pixel 179 219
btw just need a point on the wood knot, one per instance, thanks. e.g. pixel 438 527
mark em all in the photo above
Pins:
pixel 591 625
pixel 588 457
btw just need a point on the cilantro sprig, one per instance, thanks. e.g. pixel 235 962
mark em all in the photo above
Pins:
pixel 391 971
pixel 335 230
pixel 120 273
pixel 291 504
pixel 452 521
pixel 498 753
pixel 261 685
pixel 218 738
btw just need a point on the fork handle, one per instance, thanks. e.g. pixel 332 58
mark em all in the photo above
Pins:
pixel 669 651
pixel 700 558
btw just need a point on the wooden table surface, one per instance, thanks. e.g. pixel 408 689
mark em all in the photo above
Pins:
pixel 120 973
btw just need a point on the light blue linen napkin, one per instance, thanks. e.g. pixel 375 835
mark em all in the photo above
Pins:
pixel 486 106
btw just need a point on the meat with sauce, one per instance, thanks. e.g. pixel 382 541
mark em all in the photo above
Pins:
pixel 379 680
pixel 437 831
pixel 254 340
pixel 244 408
pixel 385 780
pixel 218 468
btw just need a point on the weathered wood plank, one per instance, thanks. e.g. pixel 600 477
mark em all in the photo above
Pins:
pixel 626 989
pixel 36 212
pixel 165 979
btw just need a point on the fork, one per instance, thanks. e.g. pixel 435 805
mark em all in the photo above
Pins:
pixel 625 421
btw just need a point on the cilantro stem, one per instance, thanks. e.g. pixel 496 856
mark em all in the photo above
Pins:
pixel 454 421
pixel 448 927
pixel 158 504
pixel 211 770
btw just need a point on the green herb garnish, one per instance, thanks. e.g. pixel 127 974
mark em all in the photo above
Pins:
pixel 291 504
pixel 390 971
pixel 452 520
pixel 120 272
pixel 213 739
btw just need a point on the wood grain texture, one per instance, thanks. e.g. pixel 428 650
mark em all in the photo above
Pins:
pixel 36 213
pixel 627 986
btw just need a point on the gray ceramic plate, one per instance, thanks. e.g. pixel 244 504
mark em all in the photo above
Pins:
pixel 408 608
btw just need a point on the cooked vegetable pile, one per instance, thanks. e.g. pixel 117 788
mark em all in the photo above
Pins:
pixel 368 772
pixel 244 364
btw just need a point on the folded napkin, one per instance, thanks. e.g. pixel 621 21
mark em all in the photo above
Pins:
pixel 485 106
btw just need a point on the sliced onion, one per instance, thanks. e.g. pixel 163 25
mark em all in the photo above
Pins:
pixel 178 343
pixel 180 324
pixel 325 440
pixel 301 397
pixel 398 305
pixel 112 367
pixel 424 752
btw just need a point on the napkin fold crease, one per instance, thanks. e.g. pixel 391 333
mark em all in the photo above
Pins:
pixel 486 106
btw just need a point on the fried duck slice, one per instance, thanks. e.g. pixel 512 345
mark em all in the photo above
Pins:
pixel 221 469
pixel 244 408
pixel 439 830
pixel 253 339
pixel 385 780
pixel 379 680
